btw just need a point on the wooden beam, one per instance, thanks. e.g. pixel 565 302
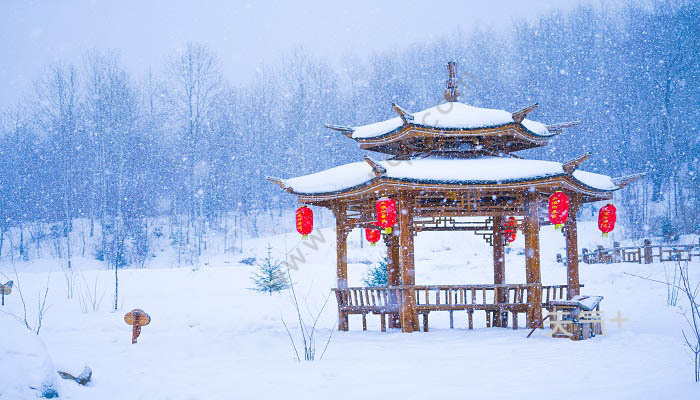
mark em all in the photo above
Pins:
pixel 345 130
pixel 376 167
pixel 406 116
pixel 519 115
pixel 531 229
pixel 279 182
pixel 558 128
pixel 571 165
pixel 572 277
pixel 623 181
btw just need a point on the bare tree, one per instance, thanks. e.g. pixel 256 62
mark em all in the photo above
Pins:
pixel 692 316
pixel 57 110
pixel 41 307
pixel 112 107
pixel 692 338
pixel 195 83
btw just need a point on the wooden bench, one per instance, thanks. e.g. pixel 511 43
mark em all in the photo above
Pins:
pixel 497 301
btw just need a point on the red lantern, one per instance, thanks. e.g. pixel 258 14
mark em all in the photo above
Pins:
pixel 606 219
pixel 386 213
pixel 372 236
pixel 558 209
pixel 510 232
pixel 305 221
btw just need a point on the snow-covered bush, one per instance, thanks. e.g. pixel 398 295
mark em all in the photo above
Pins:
pixel 28 370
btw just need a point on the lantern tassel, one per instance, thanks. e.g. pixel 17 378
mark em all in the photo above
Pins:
pixel 387 231
pixel 557 227
pixel 304 237
pixel 372 244
pixel 605 234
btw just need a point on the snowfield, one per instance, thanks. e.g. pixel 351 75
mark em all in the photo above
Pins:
pixel 211 337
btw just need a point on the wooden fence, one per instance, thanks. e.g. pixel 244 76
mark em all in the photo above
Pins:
pixel 643 254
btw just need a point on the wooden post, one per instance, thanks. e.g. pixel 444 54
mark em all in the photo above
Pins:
pixel 572 278
pixel 531 228
pixel 341 246
pixel 409 318
pixel 499 266
pixel 393 275
pixel 451 94
pixel 647 252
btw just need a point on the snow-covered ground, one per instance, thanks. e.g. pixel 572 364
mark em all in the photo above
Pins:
pixel 211 337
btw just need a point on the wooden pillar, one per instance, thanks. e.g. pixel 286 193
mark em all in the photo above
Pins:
pixel 499 265
pixel 648 259
pixel 407 313
pixel 341 246
pixel 572 278
pixel 393 275
pixel 531 229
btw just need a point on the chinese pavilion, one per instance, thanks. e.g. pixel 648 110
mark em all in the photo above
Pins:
pixel 445 164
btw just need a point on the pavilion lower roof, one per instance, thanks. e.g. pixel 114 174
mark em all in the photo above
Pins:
pixel 484 174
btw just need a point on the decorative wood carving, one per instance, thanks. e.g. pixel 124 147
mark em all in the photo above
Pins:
pixel 519 115
pixel 571 165
pixel 406 116
pixel 376 167
pixel 558 128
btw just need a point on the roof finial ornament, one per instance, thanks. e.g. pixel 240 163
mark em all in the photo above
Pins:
pixel 451 93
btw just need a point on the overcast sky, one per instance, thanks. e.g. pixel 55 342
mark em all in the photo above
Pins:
pixel 243 34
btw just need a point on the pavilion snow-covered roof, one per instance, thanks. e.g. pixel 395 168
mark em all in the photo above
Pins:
pixel 471 171
pixel 452 116
pixel 453 128
pixel 453 147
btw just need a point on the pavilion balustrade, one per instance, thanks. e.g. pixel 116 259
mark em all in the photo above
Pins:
pixel 495 299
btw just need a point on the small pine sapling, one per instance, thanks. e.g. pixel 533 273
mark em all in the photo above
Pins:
pixel 270 276
pixel 377 274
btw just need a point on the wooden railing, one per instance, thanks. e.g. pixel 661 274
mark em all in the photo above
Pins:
pixel 642 254
pixel 495 299
pixel 375 299
pixel 469 297
pixel 555 292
